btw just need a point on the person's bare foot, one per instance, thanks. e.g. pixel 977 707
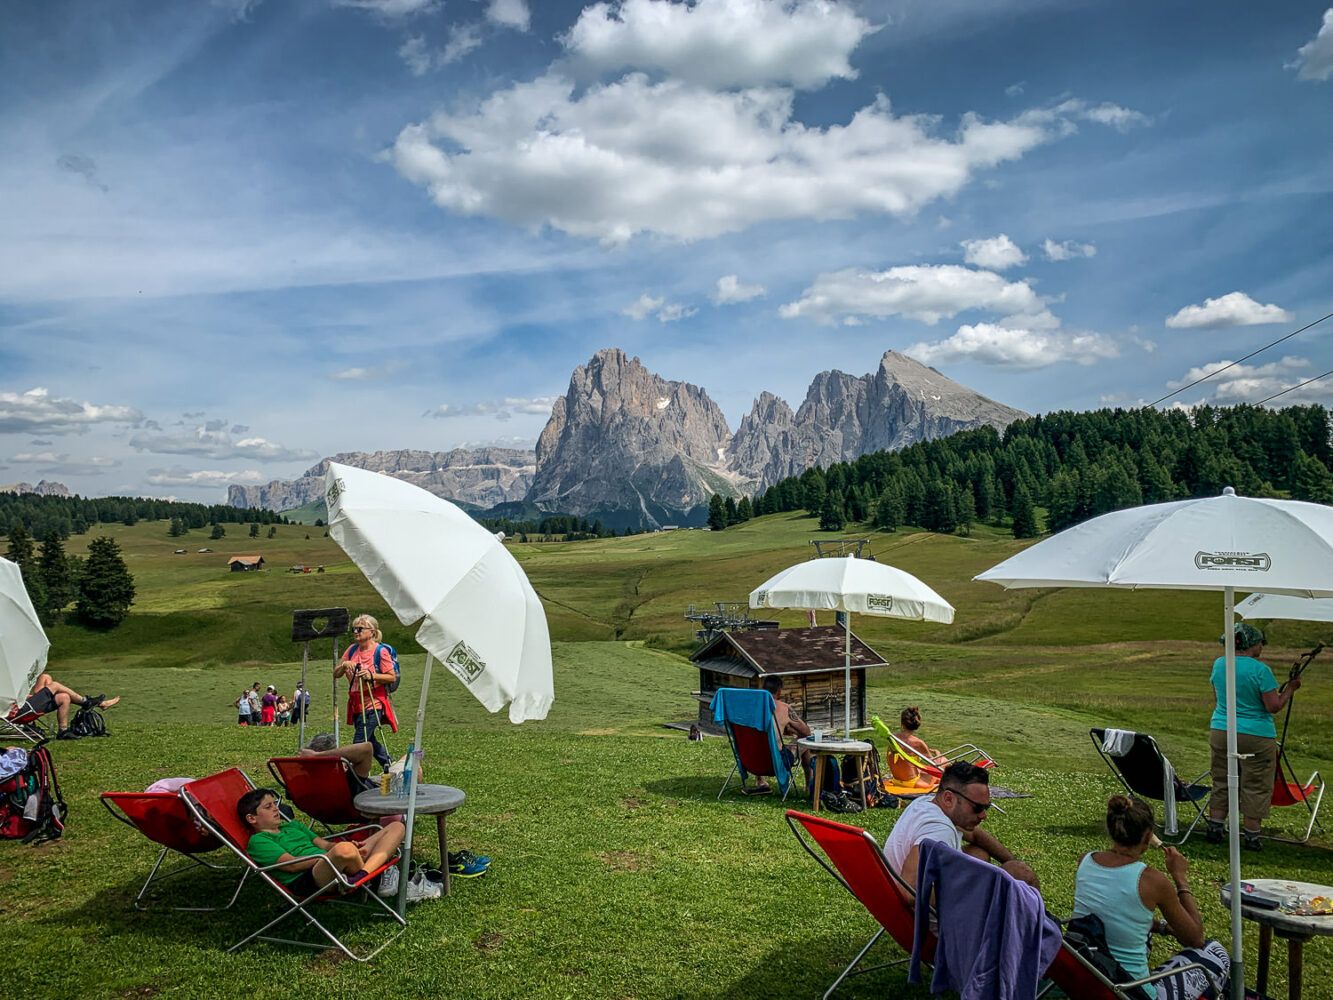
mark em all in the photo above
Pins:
pixel 107 703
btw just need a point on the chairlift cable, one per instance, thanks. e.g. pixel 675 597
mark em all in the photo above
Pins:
pixel 1233 364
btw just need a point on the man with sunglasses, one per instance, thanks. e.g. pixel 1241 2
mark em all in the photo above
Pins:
pixel 952 815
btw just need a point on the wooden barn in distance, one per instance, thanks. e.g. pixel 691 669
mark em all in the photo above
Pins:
pixel 810 662
pixel 245 564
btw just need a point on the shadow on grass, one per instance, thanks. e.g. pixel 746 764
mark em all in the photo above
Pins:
pixel 809 970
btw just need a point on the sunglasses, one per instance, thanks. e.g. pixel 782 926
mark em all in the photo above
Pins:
pixel 977 807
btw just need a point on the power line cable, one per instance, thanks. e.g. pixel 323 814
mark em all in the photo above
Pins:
pixel 1295 387
pixel 1247 357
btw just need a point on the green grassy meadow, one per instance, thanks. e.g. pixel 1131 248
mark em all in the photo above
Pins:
pixel 617 874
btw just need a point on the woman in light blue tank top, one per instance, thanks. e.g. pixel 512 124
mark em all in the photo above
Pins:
pixel 1126 894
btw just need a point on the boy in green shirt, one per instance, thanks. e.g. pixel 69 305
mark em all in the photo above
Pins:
pixel 314 860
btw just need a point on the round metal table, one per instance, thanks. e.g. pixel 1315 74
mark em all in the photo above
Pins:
pixel 1296 929
pixel 432 800
pixel 831 748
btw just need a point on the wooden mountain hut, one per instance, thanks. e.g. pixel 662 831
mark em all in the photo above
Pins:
pixel 244 564
pixel 810 662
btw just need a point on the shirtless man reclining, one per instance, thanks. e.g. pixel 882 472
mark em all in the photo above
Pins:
pixel 48 694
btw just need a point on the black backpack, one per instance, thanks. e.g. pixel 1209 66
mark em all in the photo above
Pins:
pixel 88 721
pixel 31 807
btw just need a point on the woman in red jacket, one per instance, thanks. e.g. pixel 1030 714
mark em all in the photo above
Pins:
pixel 368 704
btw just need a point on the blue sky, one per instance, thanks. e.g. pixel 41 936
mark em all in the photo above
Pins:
pixel 241 235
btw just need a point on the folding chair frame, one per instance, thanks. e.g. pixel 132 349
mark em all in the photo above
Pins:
pixel 115 805
pixel 970 755
pixel 1070 971
pixel 904 891
pixel 731 735
pixel 1198 804
pixel 1285 775
pixel 26 726
pixel 223 828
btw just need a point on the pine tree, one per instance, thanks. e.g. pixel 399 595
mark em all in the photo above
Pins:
pixel 106 588
pixel 217 532
pixel 272 531
pixel 1025 517
pixel 831 517
pixel 20 549
pixel 744 511
pixel 717 513
pixel 889 508
pixel 729 509
pixel 967 509
pixel 53 570
pixel 177 528
pixel 254 529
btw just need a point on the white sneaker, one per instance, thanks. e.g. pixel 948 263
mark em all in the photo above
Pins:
pixel 422 888
pixel 389 882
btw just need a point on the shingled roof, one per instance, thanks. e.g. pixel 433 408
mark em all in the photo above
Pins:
pixel 783 651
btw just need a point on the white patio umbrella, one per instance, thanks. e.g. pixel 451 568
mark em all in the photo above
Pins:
pixel 850 584
pixel 431 562
pixel 1225 543
pixel 23 644
pixel 1305 609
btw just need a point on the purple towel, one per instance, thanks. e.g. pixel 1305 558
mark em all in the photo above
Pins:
pixel 996 940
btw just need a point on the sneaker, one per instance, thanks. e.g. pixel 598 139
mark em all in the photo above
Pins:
pixel 423 888
pixel 1215 832
pixel 1251 842
pixel 389 882
pixel 466 869
pixel 68 734
pixel 463 857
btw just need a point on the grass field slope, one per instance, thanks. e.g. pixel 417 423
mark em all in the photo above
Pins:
pixel 617 874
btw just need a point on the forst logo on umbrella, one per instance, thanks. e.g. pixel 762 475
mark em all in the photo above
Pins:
pixel 879 602
pixel 1246 562
pixel 464 661
pixel 335 490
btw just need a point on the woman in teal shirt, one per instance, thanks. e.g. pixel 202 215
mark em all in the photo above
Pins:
pixel 1257 700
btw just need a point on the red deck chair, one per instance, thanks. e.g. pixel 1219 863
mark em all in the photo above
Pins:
pixel 163 818
pixel 752 751
pixel 862 871
pixel 213 801
pixel 319 787
pixel 26 724
pixel 1288 791
pixel 1077 977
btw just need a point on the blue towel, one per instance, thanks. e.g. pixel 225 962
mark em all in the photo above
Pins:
pixel 751 707
pixel 996 940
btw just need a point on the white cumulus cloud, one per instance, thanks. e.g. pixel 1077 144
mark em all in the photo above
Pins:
pixel 38 412
pixel 391 9
pixel 994 254
pixel 500 409
pixel 61 464
pixel 729 289
pixel 1251 383
pixel 1068 250
pixel 927 292
pixel 178 476
pixel 1233 309
pixel 631 156
pixel 509 14
pixel 1314 59
pixel 722 43
pixel 1015 346
pixel 666 312
pixel 212 440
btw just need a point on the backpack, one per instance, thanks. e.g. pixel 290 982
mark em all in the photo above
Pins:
pixel 31 807
pixel 88 721
pixel 876 797
pixel 392 686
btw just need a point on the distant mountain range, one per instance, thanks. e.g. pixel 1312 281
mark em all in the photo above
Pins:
pixel 627 447
pixel 46 489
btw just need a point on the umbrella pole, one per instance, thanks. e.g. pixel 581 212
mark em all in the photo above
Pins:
pixel 412 792
pixel 305 664
pixel 337 738
pixel 847 674
pixel 1233 801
